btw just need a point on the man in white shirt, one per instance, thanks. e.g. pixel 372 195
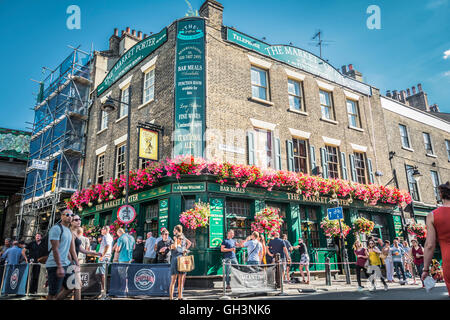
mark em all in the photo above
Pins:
pixel 150 253
pixel 105 250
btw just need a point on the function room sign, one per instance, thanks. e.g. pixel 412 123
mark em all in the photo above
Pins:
pixel 190 87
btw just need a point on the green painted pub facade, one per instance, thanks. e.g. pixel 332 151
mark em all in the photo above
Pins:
pixel 234 208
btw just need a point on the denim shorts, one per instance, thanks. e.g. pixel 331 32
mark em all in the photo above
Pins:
pixel 102 269
pixel 55 283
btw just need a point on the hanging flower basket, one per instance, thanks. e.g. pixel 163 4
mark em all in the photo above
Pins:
pixel 117 224
pixel 417 230
pixel 92 231
pixel 197 217
pixel 267 221
pixel 363 225
pixel 332 229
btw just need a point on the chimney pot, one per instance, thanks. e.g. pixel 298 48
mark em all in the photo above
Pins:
pixel 414 90
pixel 350 67
pixel 140 34
pixel 145 36
pixel 408 91
pixel 116 31
pixel 128 30
pixel 344 69
pixel 133 32
pixel 419 87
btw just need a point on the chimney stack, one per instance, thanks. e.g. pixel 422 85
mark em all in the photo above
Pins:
pixel 388 93
pixel 350 67
pixel 344 69
pixel 414 90
pixel 145 36
pixel 140 35
pixel 394 95
pixel 116 32
pixel 408 91
pixel 133 32
pixel 128 30
pixel 419 87
pixel 403 96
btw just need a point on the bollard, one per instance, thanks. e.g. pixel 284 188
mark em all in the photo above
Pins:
pixel 327 272
pixel 278 270
pixel 224 277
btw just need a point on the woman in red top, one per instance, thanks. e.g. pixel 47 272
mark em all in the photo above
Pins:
pixel 417 254
pixel 361 257
pixel 438 228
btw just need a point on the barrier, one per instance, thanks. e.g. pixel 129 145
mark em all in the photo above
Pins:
pixel 15 278
pixel 259 278
pixel 139 279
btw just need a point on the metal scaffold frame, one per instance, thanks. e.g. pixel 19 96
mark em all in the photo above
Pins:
pixel 58 138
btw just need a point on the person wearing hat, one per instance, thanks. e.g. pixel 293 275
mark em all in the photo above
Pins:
pixel 138 252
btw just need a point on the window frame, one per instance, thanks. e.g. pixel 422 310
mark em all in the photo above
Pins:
pixel 360 169
pixel 269 153
pixel 97 169
pixel 404 137
pixel 298 157
pixel 299 97
pixel 447 145
pixel 330 107
pixel 266 72
pixel 436 184
pixel 336 163
pixel 117 163
pixel 103 120
pixel 149 85
pixel 356 115
pixel 124 104
pixel 412 182
pixel 426 136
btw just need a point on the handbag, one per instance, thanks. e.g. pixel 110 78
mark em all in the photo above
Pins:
pixel 185 263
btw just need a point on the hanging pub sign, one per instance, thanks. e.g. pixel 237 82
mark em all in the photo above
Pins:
pixel 132 57
pixel 190 87
pixel 148 144
pixel 126 214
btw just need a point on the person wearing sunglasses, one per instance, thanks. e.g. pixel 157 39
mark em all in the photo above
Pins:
pixel 61 242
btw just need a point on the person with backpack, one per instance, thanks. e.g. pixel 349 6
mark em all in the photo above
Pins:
pixel 60 244
pixel 254 249
pixel 124 246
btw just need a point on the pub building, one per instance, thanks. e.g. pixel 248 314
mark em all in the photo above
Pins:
pixel 203 89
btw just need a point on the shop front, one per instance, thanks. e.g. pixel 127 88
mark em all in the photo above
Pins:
pixel 234 208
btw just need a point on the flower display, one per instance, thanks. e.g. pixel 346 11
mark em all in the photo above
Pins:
pixel 197 217
pixel 267 221
pixel 241 176
pixel 332 229
pixel 92 231
pixel 418 230
pixel 117 224
pixel 363 225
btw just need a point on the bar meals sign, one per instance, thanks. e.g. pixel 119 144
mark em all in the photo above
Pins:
pixel 297 58
pixel 132 57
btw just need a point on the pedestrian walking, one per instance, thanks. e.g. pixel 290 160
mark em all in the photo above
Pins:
pixel 228 248
pixel 386 255
pixel 408 261
pixel 124 246
pixel 179 247
pixel 417 255
pixel 62 250
pixel 149 249
pixel 289 247
pixel 138 252
pixel 105 249
pixel 438 229
pixel 362 256
pixel 33 256
pixel 163 247
pixel 275 246
pixel 14 255
pixel 304 260
pixel 374 266
pixel 397 258
pixel 254 249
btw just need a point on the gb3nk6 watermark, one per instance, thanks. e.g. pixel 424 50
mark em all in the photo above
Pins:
pixel 74 19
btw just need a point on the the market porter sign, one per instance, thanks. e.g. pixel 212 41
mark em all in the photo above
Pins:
pixel 132 57
pixel 297 58
pixel 190 87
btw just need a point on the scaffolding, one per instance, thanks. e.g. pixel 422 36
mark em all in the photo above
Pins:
pixel 58 140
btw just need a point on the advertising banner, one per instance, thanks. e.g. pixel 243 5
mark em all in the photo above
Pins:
pixel 163 214
pixel 15 280
pixel 190 87
pixel 137 279
pixel 216 222
pixel 246 279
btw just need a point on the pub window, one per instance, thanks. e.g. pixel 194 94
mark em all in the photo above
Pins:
pixel 125 100
pixel 295 95
pixel 310 226
pixel 263 148
pixel 120 160
pixel 360 167
pixel 333 162
pixel 238 218
pixel 108 219
pixel 412 183
pixel 436 183
pixel 259 83
pixel 326 105
pixel 428 144
pixel 300 155
pixel 353 114
pixel 100 168
pixel 151 212
pixel 144 163
pixel 149 86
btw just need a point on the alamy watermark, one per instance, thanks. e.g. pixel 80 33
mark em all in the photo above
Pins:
pixel 74 20
pixel 374 20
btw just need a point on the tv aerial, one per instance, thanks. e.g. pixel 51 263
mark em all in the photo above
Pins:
pixel 319 42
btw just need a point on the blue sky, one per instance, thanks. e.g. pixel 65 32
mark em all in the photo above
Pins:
pixel 408 49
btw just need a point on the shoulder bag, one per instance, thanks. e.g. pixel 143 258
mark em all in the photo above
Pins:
pixel 185 263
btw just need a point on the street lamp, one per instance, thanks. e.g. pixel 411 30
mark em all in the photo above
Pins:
pixel 110 106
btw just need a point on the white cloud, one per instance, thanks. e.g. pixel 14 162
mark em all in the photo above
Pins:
pixel 447 54
pixel 446 74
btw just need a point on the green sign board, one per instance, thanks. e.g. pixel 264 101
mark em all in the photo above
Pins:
pixel 132 57
pixel 297 58
pixel 216 222
pixel 189 187
pixel 398 227
pixel 190 99
pixel 152 193
pixel 163 214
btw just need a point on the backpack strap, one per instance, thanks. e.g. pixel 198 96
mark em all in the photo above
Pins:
pixel 60 236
